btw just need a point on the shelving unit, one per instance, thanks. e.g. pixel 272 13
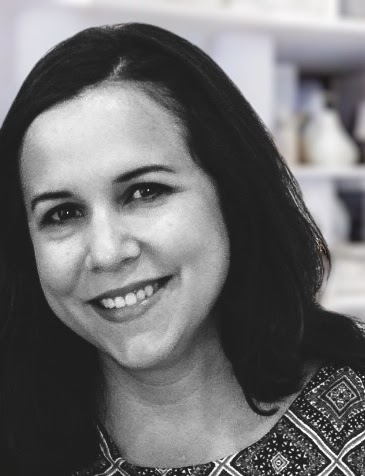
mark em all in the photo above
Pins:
pixel 334 45
pixel 307 172
pixel 347 296
pixel 315 44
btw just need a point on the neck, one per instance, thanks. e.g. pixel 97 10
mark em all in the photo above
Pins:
pixel 197 400
pixel 170 383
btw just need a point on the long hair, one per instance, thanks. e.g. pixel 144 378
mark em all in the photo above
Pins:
pixel 270 323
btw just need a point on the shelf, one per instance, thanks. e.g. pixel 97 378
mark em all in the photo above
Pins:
pixel 349 250
pixel 355 173
pixel 326 45
pixel 345 290
pixel 351 304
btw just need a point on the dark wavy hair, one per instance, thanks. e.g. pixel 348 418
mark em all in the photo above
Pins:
pixel 270 324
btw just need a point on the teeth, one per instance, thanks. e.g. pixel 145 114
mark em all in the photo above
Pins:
pixel 141 295
pixel 149 290
pixel 119 302
pixel 109 303
pixel 131 298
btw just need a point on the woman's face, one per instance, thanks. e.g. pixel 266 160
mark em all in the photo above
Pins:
pixel 130 243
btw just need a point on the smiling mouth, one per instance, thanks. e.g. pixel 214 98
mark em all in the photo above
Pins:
pixel 130 299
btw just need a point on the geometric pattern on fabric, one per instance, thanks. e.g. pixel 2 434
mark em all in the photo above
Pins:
pixel 336 472
pixel 286 450
pixel 340 397
pixel 355 458
pixel 279 462
pixel 332 406
pixel 321 434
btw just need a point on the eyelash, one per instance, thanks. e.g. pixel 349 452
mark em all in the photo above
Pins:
pixel 158 190
pixel 49 219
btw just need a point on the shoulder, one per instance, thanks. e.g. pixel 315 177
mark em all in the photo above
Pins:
pixel 329 416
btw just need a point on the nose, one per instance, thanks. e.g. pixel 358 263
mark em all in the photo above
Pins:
pixel 110 243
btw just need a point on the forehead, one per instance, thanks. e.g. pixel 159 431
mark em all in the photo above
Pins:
pixel 110 123
pixel 110 109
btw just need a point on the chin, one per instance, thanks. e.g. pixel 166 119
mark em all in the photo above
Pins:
pixel 147 355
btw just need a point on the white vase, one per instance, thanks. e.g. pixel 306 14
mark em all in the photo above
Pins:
pixel 326 141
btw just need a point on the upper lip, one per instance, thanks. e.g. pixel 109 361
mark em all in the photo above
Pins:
pixel 113 293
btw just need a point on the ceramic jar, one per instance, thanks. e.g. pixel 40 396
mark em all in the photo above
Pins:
pixel 326 141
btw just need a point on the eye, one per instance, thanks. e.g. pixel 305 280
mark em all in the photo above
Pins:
pixel 147 192
pixel 61 214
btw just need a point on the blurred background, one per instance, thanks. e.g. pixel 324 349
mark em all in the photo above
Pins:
pixel 301 64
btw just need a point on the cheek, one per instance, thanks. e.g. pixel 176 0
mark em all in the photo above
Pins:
pixel 58 266
pixel 194 234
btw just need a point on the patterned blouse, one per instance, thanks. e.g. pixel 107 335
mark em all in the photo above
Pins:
pixel 321 434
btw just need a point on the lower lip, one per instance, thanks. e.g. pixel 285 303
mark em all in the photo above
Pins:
pixel 130 313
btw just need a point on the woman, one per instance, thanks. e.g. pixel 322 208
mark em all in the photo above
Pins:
pixel 159 274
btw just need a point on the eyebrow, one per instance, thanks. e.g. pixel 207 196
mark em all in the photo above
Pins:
pixel 125 177
pixel 141 171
